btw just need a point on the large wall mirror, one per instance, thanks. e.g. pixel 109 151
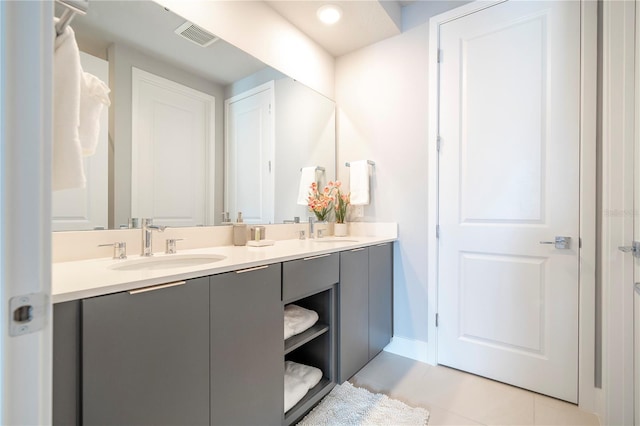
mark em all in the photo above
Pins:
pixel 196 127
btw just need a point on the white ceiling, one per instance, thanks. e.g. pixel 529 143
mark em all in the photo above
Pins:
pixel 149 27
pixel 363 22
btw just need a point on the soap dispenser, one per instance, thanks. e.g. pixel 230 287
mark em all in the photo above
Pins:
pixel 239 232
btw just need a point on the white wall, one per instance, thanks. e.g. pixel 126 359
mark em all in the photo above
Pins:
pixel 382 98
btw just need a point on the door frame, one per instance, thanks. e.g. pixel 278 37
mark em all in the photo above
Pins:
pixel 587 393
pixel 26 75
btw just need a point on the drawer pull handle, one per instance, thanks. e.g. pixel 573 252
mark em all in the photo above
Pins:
pixel 358 249
pixel 156 287
pixel 317 257
pixel 381 245
pixel 257 268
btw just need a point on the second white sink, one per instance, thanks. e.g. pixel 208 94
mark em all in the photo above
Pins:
pixel 166 262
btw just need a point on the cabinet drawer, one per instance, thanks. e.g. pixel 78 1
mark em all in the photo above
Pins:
pixel 309 275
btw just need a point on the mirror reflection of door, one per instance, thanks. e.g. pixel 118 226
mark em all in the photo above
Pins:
pixel 86 208
pixel 172 152
pixel 249 147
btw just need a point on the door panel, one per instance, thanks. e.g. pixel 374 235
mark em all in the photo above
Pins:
pixel 509 163
pixel 172 150
pixel 249 146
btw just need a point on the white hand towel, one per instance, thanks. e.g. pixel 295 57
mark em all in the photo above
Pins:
pixel 359 182
pixel 94 95
pixel 307 177
pixel 294 390
pixel 298 319
pixel 68 171
pixel 310 376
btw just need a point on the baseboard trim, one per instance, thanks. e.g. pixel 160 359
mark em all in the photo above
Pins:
pixel 409 348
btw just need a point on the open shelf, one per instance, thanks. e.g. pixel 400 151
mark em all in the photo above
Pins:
pixel 312 397
pixel 294 342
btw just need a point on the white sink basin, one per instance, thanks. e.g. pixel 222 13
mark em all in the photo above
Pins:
pixel 333 240
pixel 166 262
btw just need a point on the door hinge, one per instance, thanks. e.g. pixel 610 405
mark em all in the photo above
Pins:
pixel 269 108
pixel 269 166
pixel 437 231
pixel 437 319
pixel 438 143
pixel 439 56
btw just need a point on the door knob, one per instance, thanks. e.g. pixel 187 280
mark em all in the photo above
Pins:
pixel 633 248
pixel 560 242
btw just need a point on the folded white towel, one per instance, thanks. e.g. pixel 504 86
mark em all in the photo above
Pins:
pixel 298 379
pixel 294 390
pixel 307 177
pixel 359 182
pixel 311 376
pixel 94 95
pixel 68 171
pixel 297 319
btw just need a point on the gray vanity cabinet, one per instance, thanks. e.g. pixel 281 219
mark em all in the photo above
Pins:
pixel 380 297
pixel 145 356
pixel 66 363
pixel 366 300
pixel 247 348
pixel 353 299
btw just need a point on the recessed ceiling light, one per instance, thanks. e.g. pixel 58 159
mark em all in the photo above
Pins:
pixel 329 14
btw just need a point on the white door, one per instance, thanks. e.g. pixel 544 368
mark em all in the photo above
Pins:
pixel 249 147
pixel 87 208
pixel 509 180
pixel 172 152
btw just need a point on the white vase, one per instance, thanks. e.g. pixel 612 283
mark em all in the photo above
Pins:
pixel 340 230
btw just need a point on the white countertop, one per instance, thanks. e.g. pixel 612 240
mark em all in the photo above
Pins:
pixel 88 278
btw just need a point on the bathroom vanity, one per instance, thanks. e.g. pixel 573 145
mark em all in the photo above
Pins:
pixel 204 344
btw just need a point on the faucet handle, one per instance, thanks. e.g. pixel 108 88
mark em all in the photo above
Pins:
pixel 171 245
pixel 119 249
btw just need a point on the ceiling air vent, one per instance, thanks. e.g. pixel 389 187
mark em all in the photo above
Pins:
pixel 196 34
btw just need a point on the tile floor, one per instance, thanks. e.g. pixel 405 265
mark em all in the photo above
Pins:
pixel 457 398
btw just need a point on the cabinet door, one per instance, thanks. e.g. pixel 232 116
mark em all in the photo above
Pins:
pixel 146 357
pixel 66 363
pixel 380 297
pixel 354 312
pixel 247 347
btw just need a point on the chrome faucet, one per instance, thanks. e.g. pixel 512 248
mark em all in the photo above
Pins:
pixel 311 230
pixel 147 228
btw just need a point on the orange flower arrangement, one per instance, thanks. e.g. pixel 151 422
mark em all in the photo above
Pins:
pixel 321 202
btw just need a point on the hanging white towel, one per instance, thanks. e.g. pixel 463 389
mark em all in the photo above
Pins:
pixel 359 182
pixel 307 177
pixel 94 95
pixel 68 170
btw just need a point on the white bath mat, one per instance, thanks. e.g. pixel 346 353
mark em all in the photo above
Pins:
pixel 348 405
